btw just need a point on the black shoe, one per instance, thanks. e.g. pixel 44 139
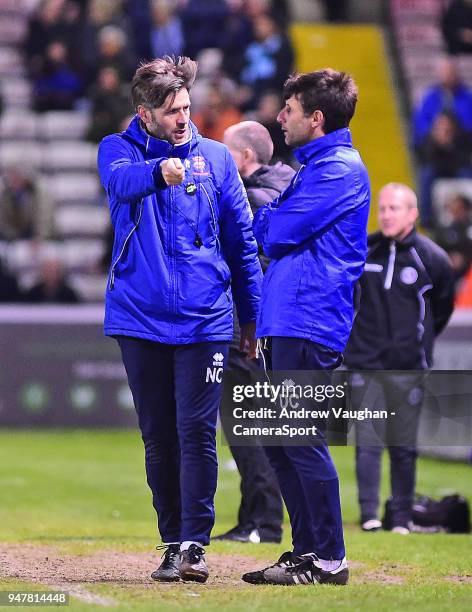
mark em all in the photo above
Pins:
pixel 307 571
pixel 169 569
pixel 258 577
pixel 252 536
pixel 192 564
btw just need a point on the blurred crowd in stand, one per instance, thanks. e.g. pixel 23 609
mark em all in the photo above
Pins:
pixel 442 146
pixel 80 55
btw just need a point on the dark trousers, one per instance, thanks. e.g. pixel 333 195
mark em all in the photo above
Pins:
pixel 177 395
pixel 401 394
pixel 261 503
pixel 307 476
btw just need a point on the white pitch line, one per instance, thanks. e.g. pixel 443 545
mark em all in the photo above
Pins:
pixel 78 591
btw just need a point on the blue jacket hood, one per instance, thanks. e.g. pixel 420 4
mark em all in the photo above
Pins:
pixel 155 147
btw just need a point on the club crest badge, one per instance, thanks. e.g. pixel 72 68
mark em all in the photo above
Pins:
pixel 199 163
pixel 409 275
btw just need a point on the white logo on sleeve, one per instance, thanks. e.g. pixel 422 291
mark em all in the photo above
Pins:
pixel 409 275
pixel 215 374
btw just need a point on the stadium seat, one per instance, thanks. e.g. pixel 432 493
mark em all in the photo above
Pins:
pixel 81 220
pixel 81 254
pixel 90 287
pixel 69 155
pixel 11 63
pixel 12 29
pixel 18 125
pixel 72 187
pixel 16 92
pixel 27 154
pixel 67 125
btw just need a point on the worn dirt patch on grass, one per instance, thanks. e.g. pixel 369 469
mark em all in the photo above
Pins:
pixel 459 579
pixel 45 564
pixel 48 565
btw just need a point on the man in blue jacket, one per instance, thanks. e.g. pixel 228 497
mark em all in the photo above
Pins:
pixel 315 234
pixel 183 247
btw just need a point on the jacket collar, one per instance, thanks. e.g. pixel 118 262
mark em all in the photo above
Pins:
pixel 338 138
pixel 155 147
pixel 406 243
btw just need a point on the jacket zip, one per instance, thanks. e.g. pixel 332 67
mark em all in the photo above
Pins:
pixel 120 255
pixel 391 265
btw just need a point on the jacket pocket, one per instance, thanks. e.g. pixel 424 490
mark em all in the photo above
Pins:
pixel 122 246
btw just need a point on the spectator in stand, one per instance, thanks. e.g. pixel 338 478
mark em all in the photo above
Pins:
pixel 448 94
pixel 110 104
pixel 113 52
pixel 44 25
pixel 204 24
pixel 457 26
pixel 237 36
pixel 279 10
pixel 166 33
pixel 217 114
pixel 102 13
pixel 445 153
pixel 456 237
pixel 9 290
pixel 26 210
pixel 336 10
pixel 58 86
pixel 52 285
pixel 268 60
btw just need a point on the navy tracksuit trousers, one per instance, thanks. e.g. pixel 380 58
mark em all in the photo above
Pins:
pixel 307 476
pixel 177 391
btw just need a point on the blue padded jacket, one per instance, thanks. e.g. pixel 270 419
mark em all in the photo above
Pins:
pixel 181 252
pixel 315 233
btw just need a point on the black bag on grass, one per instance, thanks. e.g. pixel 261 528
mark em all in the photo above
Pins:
pixel 451 514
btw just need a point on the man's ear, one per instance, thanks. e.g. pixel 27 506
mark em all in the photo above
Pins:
pixel 248 154
pixel 317 119
pixel 144 114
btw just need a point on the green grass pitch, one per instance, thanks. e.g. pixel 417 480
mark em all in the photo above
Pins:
pixel 75 513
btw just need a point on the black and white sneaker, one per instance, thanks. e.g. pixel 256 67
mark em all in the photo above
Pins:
pixel 192 564
pixel 258 577
pixel 308 571
pixel 371 525
pixel 169 569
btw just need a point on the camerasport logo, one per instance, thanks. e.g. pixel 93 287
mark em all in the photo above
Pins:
pixel 215 373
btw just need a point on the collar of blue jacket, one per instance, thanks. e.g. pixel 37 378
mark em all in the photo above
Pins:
pixel 338 138
pixel 155 147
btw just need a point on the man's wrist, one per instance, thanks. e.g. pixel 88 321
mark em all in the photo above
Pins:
pixel 159 181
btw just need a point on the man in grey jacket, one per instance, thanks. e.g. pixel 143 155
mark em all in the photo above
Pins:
pixel 260 513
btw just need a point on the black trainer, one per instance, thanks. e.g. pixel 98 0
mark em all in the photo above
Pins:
pixel 258 577
pixel 251 536
pixel 308 571
pixel 169 569
pixel 192 564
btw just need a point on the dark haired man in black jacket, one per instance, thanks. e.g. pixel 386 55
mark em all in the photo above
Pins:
pixel 407 293
pixel 260 513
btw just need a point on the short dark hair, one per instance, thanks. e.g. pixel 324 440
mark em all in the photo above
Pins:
pixel 333 93
pixel 154 81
